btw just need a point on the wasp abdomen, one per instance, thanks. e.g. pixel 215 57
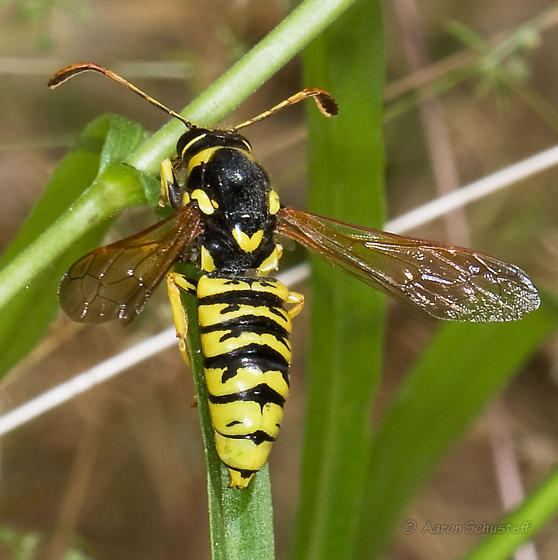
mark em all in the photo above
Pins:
pixel 244 331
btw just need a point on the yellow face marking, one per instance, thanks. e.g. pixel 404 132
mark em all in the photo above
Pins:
pixel 193 141
pixel 185 199
pixel 248 243
pixel 207 263
pixel 202 157
pixel 203 201
pixel 274 204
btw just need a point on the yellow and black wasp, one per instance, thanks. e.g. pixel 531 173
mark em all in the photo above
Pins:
pixel 227 218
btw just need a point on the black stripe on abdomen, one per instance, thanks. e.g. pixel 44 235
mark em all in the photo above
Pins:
pixel 250 380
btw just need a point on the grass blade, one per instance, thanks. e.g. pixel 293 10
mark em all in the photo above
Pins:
pixel 346 171
pixel 464 365
pixel 520 525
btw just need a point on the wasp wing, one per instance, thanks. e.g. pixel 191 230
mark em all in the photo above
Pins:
pixel 115 281
pixel 447 282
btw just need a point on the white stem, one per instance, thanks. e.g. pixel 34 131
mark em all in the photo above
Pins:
pixel 86 380
pixel 474 191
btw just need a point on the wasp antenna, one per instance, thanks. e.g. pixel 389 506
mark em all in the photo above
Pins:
pixel 69 72
pixel 324 101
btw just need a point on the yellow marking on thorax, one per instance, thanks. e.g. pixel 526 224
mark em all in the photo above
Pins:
pixel 248 243
pixel 207 263
pixel 272 262
pixel 202 156
pixel 204 202
pixel 274 204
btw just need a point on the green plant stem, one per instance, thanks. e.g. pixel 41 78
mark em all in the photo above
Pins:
pixel 520 525
pixel 241 521
pixel 304 23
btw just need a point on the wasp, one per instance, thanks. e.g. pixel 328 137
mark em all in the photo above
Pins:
pixel 227 216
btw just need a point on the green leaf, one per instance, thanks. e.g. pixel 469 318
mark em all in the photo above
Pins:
pixel 123 137
pixel 346 172
pixel 34 301
pixel 520 525
pixel 464 365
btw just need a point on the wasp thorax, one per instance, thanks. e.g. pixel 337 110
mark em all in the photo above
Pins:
pixel 233 192
pixel 237 183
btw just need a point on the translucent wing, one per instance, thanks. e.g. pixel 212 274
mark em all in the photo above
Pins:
pixel 115 281
pixel 445 281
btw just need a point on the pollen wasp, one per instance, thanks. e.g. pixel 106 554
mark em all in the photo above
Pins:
pixel 227 215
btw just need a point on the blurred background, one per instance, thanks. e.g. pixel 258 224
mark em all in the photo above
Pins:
pixel 118 472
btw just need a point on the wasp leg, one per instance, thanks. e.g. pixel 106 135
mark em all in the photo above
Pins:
pixel 298 303
pixel 169 185
pixel 175 284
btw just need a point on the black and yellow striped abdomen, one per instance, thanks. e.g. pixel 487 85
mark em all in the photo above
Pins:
pixel 244 331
